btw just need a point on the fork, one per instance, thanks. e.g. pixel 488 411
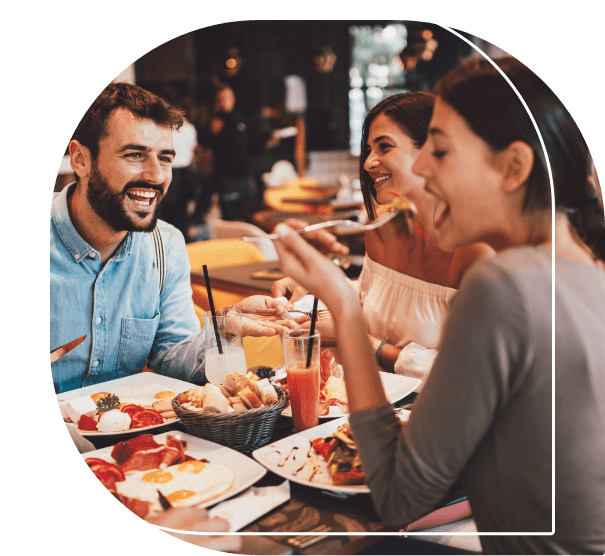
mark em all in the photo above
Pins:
pixel 322 314
pixel 380 221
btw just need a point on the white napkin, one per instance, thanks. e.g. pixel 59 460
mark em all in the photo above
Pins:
pixel 81 443
pixel 251 504
pixel 304 304
pixel 415 361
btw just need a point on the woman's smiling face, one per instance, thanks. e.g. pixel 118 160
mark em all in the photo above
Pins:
pixel 390 157
pixel 466 177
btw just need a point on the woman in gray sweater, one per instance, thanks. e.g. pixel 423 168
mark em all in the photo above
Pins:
pixel 485 414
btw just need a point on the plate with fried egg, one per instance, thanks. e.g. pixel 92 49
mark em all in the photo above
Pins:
pixel 223 474
pixel 142 389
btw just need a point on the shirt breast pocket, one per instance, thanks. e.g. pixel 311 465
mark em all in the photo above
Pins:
pixel 136 341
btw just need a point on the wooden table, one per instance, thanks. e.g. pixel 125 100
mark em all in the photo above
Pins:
pixel 353 516
pixel 238 279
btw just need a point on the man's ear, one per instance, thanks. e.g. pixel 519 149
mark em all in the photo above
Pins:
pixel 80 159
pixel 518 161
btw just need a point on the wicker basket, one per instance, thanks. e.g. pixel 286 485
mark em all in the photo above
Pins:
pixel 243 431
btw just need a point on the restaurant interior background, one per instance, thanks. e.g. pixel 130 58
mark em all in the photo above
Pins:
pixel 318 77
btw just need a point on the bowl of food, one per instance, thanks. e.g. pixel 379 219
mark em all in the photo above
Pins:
pixel 240 414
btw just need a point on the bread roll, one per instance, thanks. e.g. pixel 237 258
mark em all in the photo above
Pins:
pixel 234 382
pixel 260 384
pixel 249 398
pixel 268 395
pixel 215 402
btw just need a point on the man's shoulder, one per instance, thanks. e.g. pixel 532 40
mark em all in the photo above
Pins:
pixel 172 238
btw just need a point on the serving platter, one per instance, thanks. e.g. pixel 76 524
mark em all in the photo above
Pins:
pixel 247 471
pixel 294 459
pixel 140 386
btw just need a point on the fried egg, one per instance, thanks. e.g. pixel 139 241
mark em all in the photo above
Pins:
pixel 186 484
pixel 165 394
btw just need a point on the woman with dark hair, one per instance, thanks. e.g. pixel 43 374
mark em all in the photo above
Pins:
pixel 485 415
pixel 407 280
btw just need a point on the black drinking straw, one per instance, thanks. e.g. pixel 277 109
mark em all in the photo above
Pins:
pixel 312 331
pixel 214 322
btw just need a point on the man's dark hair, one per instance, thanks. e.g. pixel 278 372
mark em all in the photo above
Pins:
pixel 93 126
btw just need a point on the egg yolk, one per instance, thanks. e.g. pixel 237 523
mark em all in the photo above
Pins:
pixel 179 495
pixel 164 395
pixel 157 476
pixel 192 466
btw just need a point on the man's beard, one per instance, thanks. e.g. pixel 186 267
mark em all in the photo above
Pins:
pixel 110 205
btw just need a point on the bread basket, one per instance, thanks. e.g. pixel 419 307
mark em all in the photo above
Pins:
pixel 243 431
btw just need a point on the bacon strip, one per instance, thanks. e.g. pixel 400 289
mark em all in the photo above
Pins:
pixel 124 450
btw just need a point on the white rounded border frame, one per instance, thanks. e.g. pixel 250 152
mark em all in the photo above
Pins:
pixel 195 2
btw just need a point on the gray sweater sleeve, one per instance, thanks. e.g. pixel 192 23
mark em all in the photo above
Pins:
pixel 485 339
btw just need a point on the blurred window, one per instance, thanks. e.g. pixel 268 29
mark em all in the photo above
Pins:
pixel 376 71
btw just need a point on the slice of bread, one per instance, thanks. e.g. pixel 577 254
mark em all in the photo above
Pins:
pixel 249 398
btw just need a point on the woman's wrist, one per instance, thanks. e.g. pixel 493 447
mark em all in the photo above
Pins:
pixel 346 309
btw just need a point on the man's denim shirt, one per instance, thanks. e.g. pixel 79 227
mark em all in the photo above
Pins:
pixel 120 308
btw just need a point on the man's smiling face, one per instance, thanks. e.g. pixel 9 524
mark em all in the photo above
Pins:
pixel 131 173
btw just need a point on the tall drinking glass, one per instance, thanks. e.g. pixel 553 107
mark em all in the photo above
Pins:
pixel 232 359
pixel 303 380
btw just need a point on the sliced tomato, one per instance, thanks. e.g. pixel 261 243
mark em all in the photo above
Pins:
pixel 93 461
pixel 145 418
pixel 87 423
pixel 131 408
pixel 321 447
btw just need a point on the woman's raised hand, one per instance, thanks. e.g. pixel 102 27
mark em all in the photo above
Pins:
pixel 312 270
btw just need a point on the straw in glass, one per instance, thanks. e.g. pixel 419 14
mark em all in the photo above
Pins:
pixel 312 331
pixel 214 321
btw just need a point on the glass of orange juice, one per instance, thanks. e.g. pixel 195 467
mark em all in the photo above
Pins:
pixel 303 377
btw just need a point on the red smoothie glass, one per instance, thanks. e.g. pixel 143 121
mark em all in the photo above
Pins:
pixel 303 380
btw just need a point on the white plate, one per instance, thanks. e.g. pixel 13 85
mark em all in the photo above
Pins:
pixel 396 387
pixel 275 453
pixel 128 385
pixel 247 471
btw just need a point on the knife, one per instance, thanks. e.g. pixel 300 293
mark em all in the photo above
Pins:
pixel 164 502
pixel 61 351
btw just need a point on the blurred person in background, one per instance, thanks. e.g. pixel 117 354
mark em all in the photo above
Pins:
pixel 227 137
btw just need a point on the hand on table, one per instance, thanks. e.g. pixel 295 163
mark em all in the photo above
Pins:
pixel 312 270
pixel 321 239
pixel 198 520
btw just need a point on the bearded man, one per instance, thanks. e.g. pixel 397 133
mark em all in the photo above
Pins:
pixel 105 273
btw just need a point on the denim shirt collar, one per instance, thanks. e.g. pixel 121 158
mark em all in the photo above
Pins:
pixel 78 248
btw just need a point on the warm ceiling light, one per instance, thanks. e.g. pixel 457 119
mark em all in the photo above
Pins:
pixel 231 63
